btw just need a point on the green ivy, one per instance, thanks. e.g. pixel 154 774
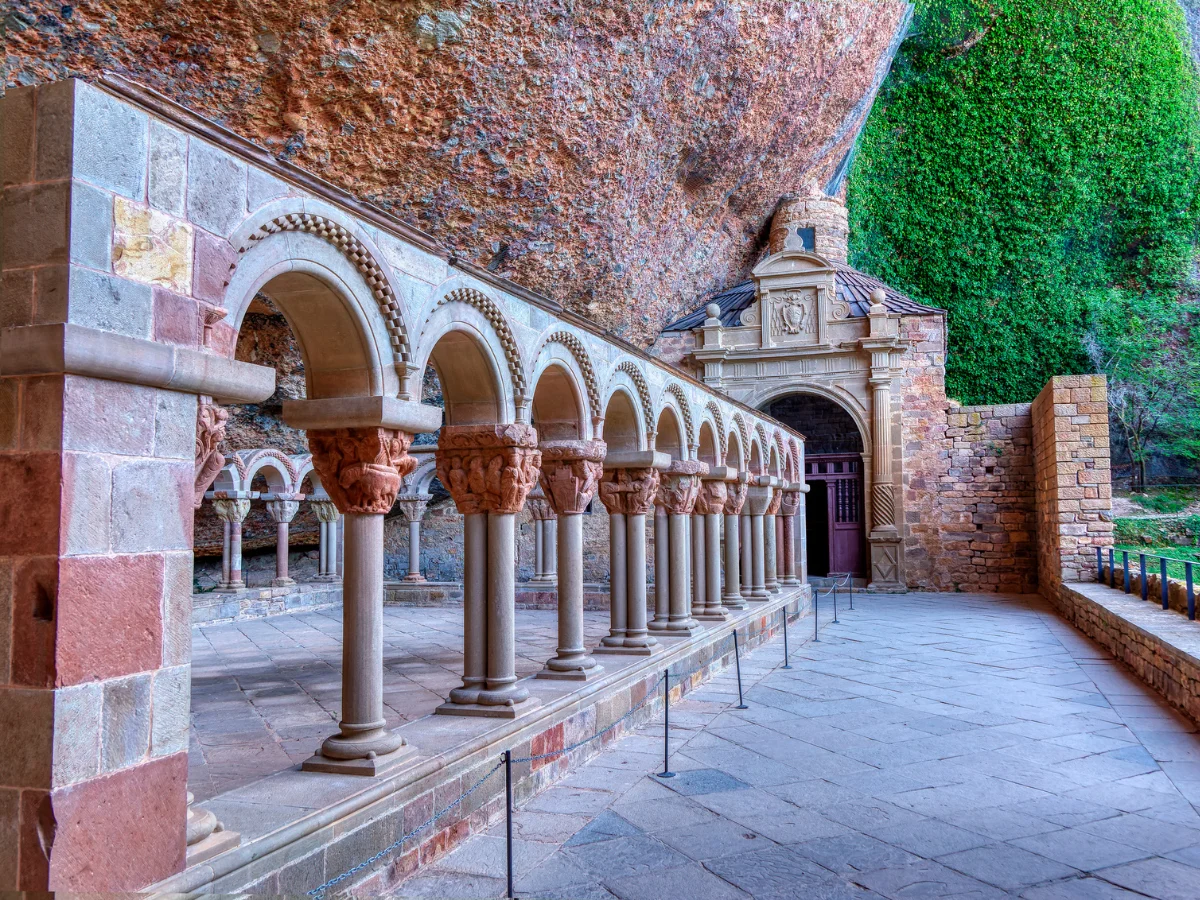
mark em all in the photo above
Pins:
pixel 1026 159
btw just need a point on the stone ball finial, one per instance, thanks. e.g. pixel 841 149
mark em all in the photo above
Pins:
pixel 879 295
pixel 713 310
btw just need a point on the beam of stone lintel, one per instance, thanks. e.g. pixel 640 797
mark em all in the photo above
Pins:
pixel 91 353
pixel 362 412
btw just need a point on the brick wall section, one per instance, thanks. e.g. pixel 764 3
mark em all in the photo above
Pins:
pixel 985 504
pixel 1073 478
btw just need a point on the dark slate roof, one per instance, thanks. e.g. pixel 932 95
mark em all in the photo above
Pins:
pixel 853 286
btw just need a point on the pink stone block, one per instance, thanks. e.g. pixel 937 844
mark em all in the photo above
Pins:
pixel 29 504
pixel 123 592
pixel 108 417
pixel 177 319
pixel 214 258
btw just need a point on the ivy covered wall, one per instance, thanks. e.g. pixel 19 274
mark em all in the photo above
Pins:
pixel 1028 163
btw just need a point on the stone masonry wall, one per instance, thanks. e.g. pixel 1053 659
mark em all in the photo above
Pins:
pixel 1073 477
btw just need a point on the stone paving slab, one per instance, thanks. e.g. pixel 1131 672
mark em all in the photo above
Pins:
pixel 928 746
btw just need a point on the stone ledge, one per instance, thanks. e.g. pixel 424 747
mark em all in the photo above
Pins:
pixel 215 607
pixel 1160 646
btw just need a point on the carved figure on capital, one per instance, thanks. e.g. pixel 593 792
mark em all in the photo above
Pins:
pixel 361 468
pixel 488 468
pixel 571 472
pixel 210 432
pixel 711 498
pixel 776 503
pixel 680 486
pixel 538 506
pixel 790 502
pixel 735 498
pixel 629 492
pixel 231 510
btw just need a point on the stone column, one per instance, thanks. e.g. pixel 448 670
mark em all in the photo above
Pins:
pixel 327 515
pixel 788 510
pixel 571 472
pixel 413 507
pixel 540 513
pixel 710 505
pixel 361 469
pixel 662 565
pixel 758 499
pixel 628 494
pixel 489 470
pixel 698 567
pixel 282 509
pixel 232 507
pixel 771 546
pixel 747 567
pixel 734 499
pixel 550 548
pixel 802 533
pixel 678 491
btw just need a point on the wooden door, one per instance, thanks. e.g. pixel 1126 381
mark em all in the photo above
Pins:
pixel 843 478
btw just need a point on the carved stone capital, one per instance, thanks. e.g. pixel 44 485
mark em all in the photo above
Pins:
pixel 488 468
pixel 210 432
pixel 758 499
pixel 324 510
pixel 361 468
pixel 413 506
pixel 571 472
pixel 735 498
pixel 630 492
pixel 791 502
pixel 538 506
pixel 284 509
pixel 231 510
pixel 680 486
pixel 711 498
pixel 775 504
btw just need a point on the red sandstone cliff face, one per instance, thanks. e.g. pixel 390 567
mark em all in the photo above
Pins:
pixel 620 157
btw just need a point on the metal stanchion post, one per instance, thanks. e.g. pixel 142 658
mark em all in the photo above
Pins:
pixel 851 579
pixel 508 817
pixel 1166 586
pixel 835 618
pixel 1125 568
pixel 666 772
pixel 1191 590
pixel 737 661
pixel 1145 580
pixel 786 664
pixel 1100 564
pixel 816 614
pixel 1112 569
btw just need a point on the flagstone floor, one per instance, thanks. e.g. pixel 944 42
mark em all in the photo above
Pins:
pixel 928 746
pixel 266 692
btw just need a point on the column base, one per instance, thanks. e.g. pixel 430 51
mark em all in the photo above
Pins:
pixel 685 629
pixel 544 579
pixel 216 843
pixel 282 582
pixel 575 674
pixel 757 598
pixel 484 710
pixel 733 602
pixel 649 648
pixel 370 766
pixel 327 579
pixel 413 579
pixel 231 587
pixel 773 587
pixel 719 615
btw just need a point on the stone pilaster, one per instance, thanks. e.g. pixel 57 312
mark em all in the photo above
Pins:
pixel 361 469
pixel 489 470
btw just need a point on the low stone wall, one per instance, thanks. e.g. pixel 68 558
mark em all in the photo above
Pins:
pixel 1176 588
pixel 255 603
pixel 1161 647
pixel 449 593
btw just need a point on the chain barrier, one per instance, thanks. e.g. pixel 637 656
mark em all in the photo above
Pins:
pixel 319 892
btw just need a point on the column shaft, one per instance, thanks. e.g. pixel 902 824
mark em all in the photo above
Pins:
pixel 758 589
pixel 475 608
pixel 362 724
pixel 698 567
pixel 771 579
pixel 414 550
pixel 747 567
pixel 617 581
pixel 572 661
pixel 662 571
pixel 712 559
pixel 501 614
pixel 680 619
pixel 636 634
pixel 732 598
pixel 281 552
pixel 539 544
pixel 235 554
pixel 227 555
pixel 550 548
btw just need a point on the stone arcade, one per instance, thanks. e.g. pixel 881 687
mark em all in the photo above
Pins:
pixel 135 237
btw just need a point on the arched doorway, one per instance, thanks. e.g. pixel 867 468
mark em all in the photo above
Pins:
pixel 835 523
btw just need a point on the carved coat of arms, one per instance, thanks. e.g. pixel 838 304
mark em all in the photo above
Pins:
pixel 794 314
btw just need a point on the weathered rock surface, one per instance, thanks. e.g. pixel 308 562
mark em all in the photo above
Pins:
pixel 620 157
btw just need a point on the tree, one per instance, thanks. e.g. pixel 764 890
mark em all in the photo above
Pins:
pixel 1150 351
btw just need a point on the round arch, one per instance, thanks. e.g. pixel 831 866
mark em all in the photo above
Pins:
pixel 837 396
pixel 557 409
pixel 624 429
pixel 669 433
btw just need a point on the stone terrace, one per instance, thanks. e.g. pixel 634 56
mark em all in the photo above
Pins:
pixel 928 746
pixel 265 692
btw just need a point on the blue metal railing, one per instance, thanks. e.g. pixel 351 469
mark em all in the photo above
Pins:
pixel 1143 571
